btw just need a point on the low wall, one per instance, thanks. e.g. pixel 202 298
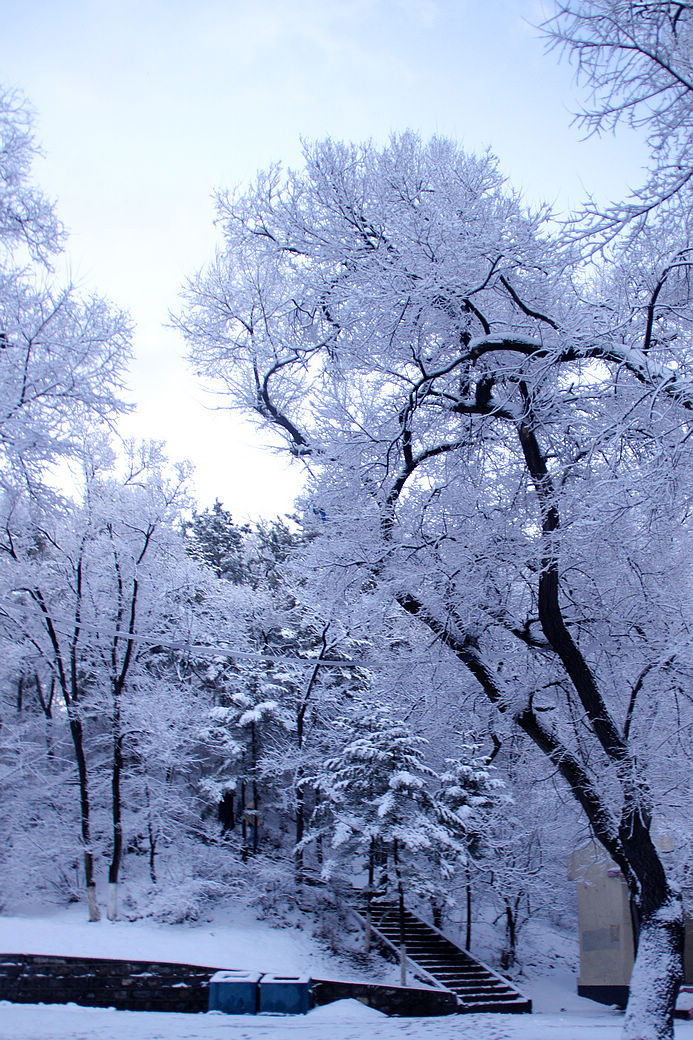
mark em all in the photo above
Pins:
pixel 408 1001
pixel 163 986
pixel 101 982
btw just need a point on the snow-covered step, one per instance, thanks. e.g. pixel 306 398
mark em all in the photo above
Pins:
pixel 477 987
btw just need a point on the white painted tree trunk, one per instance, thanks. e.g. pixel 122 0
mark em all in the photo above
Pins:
pixel 93 906
pixel 112 908
pixel 657 975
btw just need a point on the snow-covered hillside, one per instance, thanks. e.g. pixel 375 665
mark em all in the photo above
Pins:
pixel 235 940
pixel 245 942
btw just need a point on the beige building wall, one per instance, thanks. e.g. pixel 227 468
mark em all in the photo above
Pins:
pixel 605 927
pixel 606 932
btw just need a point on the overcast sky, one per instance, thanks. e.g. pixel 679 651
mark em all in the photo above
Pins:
pixel 144 107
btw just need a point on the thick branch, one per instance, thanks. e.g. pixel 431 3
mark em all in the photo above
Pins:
pixel 574 774
pixel 550 613
pixel 298 443
pixel 523 306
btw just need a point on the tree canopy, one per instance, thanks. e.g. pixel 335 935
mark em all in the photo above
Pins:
pixel 499 439
pixel 636 58
pixel 62 357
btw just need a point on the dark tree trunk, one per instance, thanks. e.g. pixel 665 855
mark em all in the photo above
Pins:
pixel 77 734
pixel 369 896
pixel 119 678
pixel 300 808
pixel 658 970
pixel 300 792
pixel 151 835
pixel 300 796
pixel 254 808
pixel 117 820
pixel 509 954
pixel 225 812
pixel 402 934
pixel 152 852
pixel 256 817
pixel 47 709
pixel 244 821
pixel 319 850
pixel 468 900
pixel 402 919
pixel 658 967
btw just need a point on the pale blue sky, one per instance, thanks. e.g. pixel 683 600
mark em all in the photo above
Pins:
pixel 144 107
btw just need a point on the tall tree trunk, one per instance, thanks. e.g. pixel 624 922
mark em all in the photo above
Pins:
pixel 659 964
pixel 300 825
pixel 468 896
pixel 254 814
pixel 47 709
pixel 77 735
pixel 319 848
pixel 402 936
pixel 242 808
pixel 402 919
pixel 658 969
pixel 657 974
pixel 509 954
pixel 300 792
pixel 256 817
pixel 369 897
pixel 151 835
pixel 117 821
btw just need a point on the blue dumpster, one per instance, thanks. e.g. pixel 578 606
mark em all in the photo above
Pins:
pixel 234 992
pixel 284 994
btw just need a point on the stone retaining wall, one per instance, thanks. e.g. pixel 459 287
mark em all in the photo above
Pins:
pixel 407 1001
pixel 98 982
pixel 162 986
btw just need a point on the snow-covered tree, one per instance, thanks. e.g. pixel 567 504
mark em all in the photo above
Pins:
pixel 62 357
pixel 217 541
pixel 499 440
pixel 274 707
pixel 636 58
pixel 468 801
pixel 104 600
pixel 377 805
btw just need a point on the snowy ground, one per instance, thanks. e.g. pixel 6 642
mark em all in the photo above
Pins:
pixel 559 1013
pixel 345 1020
pixel 236 940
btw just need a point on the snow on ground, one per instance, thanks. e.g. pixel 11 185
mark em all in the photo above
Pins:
pixel 345 1020
pixel 231 940
pixel 243 942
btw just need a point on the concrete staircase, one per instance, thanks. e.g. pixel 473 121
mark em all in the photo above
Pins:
pixel 477 987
